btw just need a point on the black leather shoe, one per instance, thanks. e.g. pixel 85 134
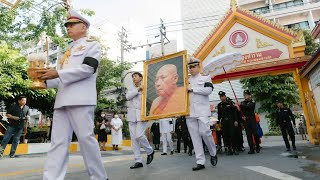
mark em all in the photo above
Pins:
pixel 251 151
pixel 288 149
pixel 163 154
pixel 190 153
pixel 136 165
pixel 198 167
pixel 171 153
pixel 214 160
pixel 258 149
pixel 150 157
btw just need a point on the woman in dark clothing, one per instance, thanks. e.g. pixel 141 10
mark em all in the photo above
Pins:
pixel 102 124
pixel 155 130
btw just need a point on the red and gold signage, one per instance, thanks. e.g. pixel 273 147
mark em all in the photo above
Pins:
pixel 261 56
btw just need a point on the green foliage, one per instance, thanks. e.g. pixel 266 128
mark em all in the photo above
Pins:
pixel 22 28
pixel 273 132
pixel 109 76
pixel 311 46
pixel 29 21
pixel 267 89
pixel 15 82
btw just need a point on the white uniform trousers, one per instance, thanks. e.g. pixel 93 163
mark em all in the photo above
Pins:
pixel 80 120
pixel 138 138
pixel 166 138
pixel 199 128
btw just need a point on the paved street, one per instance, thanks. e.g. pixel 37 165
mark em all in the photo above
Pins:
pixel 271 163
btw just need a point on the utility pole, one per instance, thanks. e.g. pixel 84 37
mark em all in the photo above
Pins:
pixel 122 34
pixel 123 43
pixel 161 36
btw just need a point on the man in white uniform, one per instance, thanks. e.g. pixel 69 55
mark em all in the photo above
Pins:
pixel 200 87
pixel 136 126
pixel 75 102
pixel 166 128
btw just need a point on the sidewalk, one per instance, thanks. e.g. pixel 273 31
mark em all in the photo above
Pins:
pixel 36 148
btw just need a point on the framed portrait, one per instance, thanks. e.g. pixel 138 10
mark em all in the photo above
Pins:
pixel 165 85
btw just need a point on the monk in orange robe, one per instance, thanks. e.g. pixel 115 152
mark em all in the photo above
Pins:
pixel 171 99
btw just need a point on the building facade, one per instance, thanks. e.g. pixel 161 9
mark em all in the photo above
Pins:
pixel 200 16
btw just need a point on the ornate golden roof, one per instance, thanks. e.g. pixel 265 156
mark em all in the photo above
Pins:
pixel 234 10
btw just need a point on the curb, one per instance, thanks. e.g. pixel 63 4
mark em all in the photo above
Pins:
pixel 35 148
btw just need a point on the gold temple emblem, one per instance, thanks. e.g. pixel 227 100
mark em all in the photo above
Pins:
pixel 261 44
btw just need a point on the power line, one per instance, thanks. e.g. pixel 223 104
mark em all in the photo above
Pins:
pixel 186 23
pixel 185 20
pixel 182 29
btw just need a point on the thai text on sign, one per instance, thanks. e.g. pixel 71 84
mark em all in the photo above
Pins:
pixel 261 56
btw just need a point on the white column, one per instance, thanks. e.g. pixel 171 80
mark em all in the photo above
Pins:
pixel 311 20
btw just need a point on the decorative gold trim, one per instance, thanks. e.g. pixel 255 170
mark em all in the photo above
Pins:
pixel 235 16
pixel 262 44
pixel 186 82
pixel 233 4
pixel 265 20
pixel 222 50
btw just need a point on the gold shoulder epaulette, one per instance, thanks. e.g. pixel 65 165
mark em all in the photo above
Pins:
pixel 91 39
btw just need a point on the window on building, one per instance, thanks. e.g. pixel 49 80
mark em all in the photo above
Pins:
pixel 288 4
pixel 261 10
pixel 301 25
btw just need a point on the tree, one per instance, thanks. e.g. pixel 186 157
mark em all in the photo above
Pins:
pixel 311 46
pixel 22 28
pixel 109 76
pixel 268 89
pixel 15 82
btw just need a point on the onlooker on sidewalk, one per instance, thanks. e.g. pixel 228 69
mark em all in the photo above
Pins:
pixel 116 132
pixel 17 116
pixel 166 128
pixel 155 130
pixel 284 118
pixel 102 125
pixel 302 130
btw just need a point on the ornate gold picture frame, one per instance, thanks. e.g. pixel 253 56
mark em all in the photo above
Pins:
pixel 165 85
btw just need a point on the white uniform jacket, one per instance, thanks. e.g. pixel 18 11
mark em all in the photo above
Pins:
pixel 134 104
pixel 199 98
pixel 77 81
pixel 166 125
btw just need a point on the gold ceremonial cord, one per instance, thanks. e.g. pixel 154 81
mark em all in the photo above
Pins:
pixel 65 58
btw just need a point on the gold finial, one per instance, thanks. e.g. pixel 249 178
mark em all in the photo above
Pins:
pixel 233 4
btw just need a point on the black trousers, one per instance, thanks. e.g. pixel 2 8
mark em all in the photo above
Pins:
pixel 285 130
pixel 228 131
pixel 251 130
pixel 238 137
pixel 185 140
pixel 219 137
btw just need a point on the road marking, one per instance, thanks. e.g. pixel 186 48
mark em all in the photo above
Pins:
pixel 271 172
pixel 126 157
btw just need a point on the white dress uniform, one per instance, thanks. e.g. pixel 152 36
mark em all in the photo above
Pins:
pixel 116 136
pixel 198 120
pixel 74 110
pixel 136 126
pixel 166 127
